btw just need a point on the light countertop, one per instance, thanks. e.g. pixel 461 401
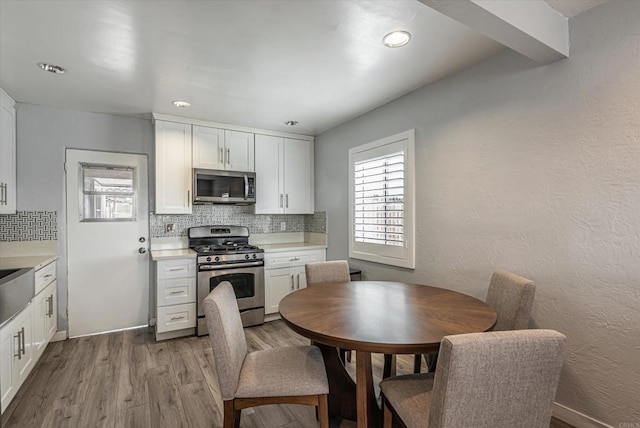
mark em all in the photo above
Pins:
pixel 19 262
pixel 291 246
pixel 180 253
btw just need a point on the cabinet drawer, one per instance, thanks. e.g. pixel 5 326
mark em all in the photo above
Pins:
pixel 298 258
pixel 178 268
pixel 176 317
pixel 176 291
pixel 45 276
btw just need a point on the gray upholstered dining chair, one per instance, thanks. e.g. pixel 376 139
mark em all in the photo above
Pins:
pixel 484 380
pixel 294 375
pixel 330 271
pixel 511 296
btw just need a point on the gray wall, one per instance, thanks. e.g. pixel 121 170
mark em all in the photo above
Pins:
pixel 43 134
pixel 533 169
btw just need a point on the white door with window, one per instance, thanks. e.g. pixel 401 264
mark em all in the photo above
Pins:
pixel 107 241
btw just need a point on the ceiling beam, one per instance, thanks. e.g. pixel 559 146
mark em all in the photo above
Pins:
pixel 531 27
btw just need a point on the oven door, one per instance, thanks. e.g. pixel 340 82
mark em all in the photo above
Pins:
pixel 247 283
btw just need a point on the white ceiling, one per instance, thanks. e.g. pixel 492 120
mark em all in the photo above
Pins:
pixel 253 63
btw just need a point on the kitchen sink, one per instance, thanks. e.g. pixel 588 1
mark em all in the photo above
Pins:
pixel 17 288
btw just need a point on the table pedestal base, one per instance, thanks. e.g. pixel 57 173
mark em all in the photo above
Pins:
pixel 346 397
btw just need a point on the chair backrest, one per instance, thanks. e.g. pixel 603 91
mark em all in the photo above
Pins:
pixel 333 271
pixel 497 379
pixel 226 336
pixel 511 296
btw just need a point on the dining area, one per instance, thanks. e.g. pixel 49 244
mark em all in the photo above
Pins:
pixel 484 367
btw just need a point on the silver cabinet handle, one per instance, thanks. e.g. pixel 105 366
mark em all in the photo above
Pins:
pixel 48 275
pixel 176 292
pixel 19 355
pixel 177 318
pixel 221 155
pixel 50 306
pixel 228 156
pixel 281 200
pixel 292 286
pixel 293 259
pixel 188 198
pixel 298 286
pixel 175 269
pixel 287 201
pixel 3 193
pixel 48 314
pixel 23 344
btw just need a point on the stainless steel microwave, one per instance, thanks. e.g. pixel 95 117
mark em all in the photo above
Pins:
pixel 224 187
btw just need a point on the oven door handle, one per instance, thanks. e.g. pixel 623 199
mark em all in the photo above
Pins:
pixel 230 266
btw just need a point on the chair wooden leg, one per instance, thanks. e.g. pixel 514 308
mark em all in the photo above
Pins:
pixel 349 356
pixel 323 410
pixel 417 362
pixel 389 368
pixel 432 362
pixel 387 415
pixel 231 416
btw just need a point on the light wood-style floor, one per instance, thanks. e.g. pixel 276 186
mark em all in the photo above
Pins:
pixel 127 379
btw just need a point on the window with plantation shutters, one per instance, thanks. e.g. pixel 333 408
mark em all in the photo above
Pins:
pixel 381 201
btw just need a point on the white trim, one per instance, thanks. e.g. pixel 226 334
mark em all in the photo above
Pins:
pixel 210 124
pixel 367 251
pixel 59 336
pixel 575 418
pixel 110 331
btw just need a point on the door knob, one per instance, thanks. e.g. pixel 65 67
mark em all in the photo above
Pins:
pixel 142 250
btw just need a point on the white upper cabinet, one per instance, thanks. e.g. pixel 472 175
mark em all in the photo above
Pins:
pixel 284 175
pixel 220 149
pixel 174 178
pixel 7 154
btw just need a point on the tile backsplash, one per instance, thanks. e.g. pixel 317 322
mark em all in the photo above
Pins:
pixel 29 226
pixel 239 215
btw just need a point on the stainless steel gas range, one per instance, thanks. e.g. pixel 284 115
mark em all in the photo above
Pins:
pixel 224 254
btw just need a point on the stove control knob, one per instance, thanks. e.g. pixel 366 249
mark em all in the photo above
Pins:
pixel 217 259
pixel 246 256
pixel 254 256
pixel 208 259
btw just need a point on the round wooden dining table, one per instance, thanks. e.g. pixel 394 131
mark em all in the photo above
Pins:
pixel 377 317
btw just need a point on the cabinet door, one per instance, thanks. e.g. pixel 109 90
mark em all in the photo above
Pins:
pixel 40 329
pixel 7 155
pixel 301 277
pixel 173 168
pixel 8 379
pixel 52 313
pixel 24 326
pixel 298 176
pixel 278 283
pixel 208 147
pixel 240 151
pixel 269 182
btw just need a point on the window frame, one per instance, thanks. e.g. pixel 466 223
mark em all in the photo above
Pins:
pixel 401 256
pixel 82 167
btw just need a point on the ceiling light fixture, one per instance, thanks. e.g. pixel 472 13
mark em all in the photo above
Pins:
pixel 181 104
pixel 396 39
pixel 55 69
pixel 291 122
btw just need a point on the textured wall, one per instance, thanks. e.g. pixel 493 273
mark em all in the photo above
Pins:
pixel 43 134
pixel 534 169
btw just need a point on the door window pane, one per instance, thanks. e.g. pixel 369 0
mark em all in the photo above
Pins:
pixel 107 193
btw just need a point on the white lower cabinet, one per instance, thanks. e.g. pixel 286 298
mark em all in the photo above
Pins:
pixel 16 354
pixel 284 273
pixel 175 298
pixel 45 317
pixel 26 336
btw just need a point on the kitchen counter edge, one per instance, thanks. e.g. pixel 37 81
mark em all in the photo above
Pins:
pixel 19 262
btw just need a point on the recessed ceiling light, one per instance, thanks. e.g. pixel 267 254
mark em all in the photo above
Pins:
pixel 291 122
pixel 56 69
pixel 396 39
pixel 182 104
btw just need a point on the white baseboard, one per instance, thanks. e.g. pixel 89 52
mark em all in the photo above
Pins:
pixel 575 418
pixel 60 335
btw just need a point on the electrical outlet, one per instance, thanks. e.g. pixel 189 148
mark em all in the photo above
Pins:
pixel 283 226
pixel 169 227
